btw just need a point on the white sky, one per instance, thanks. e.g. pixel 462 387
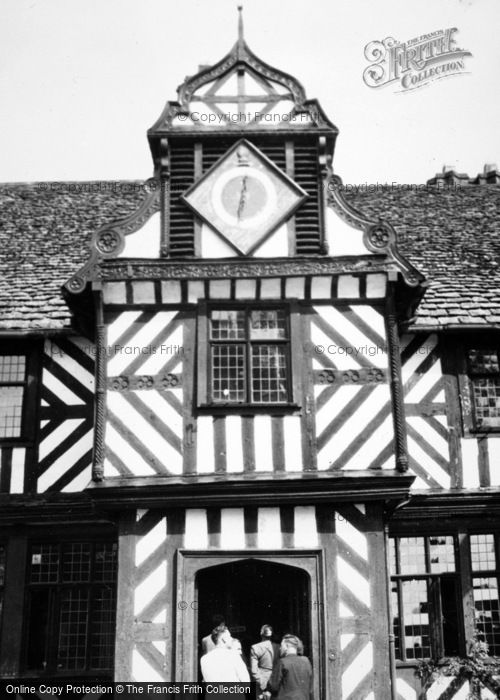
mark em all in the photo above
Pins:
pixel 82 80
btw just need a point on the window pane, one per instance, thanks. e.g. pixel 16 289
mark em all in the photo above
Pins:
pixel 105 562
pixel 487 401
pixel 487 612
pixel 412 555
pixel 11 408
pixel 76 562
pixel 416 619
pixel 228 373
pixel 73 629
pixel 269 374
pixel 484 361
pixel 227 325
pixel 45 563
pixel 102 642
pixel 482 550
pixel 442 554
pixel 12 368
pixel 267 324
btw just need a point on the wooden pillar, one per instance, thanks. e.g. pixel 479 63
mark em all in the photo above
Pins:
pixel 100 388
pixel 466 587
pixel 452 397
pixel 378 592
pixel 175 603
pixel 325 517
pixel 398 414
pixel 125 598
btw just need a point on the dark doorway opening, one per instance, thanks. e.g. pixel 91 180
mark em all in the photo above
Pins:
pixel 252 592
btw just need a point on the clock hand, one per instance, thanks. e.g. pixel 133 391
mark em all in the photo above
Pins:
pixel 243 197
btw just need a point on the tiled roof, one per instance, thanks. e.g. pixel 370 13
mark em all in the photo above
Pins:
pixel 45 229
pixel 451 234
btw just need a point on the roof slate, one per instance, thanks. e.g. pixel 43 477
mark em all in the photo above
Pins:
pixel 452 235
pixel 45 230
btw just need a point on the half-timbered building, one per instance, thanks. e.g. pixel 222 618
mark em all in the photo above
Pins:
pixel 242 389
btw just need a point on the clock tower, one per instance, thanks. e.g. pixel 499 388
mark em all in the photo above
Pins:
pixel 249 438
pixel 242 113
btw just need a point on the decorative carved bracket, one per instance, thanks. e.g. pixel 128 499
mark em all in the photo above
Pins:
pixel 109 241
pixel 379 236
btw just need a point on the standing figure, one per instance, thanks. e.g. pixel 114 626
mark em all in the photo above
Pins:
pixel 263 656
pixel 292 677
pixel 207 643
pixel 223 664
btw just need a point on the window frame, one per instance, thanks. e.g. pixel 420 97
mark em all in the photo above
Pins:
pixel 51 636
pixel 29 408
pixel 434 599
pixel 204 360
pixel 462 532
pixel 485 573
pixel 466 386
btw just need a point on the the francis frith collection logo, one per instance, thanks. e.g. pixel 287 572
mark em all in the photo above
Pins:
pixel 414 63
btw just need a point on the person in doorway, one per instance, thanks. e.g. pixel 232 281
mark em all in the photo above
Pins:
pixel 207 643
pixel 263 656
pixel 223 664
pixel 292 677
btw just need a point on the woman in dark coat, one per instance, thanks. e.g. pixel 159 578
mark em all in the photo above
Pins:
pixel 292 677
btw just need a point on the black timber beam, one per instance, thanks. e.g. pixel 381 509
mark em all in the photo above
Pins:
pixel 237 490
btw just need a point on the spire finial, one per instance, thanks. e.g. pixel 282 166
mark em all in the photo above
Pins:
pixel 241 40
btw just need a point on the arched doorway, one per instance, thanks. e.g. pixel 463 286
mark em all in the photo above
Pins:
pixel 251 592
pixel 283 589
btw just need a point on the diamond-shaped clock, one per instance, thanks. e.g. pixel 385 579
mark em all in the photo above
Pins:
pixel 244 197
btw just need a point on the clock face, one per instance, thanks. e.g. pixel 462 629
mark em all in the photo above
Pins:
pixel 244 197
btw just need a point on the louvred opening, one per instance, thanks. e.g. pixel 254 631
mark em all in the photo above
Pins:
pixel 306 174
pixel 181 229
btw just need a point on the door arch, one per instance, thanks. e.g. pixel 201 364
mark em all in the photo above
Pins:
pixel 300 587
pixel 249 593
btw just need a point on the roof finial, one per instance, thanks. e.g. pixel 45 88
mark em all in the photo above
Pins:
pixel 241 40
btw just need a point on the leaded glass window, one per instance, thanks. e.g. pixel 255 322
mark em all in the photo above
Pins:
pixel 484 374
pixel 485 578
pixel 71 606
pixel 12 392
pixel 249 360
pixel 425 597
